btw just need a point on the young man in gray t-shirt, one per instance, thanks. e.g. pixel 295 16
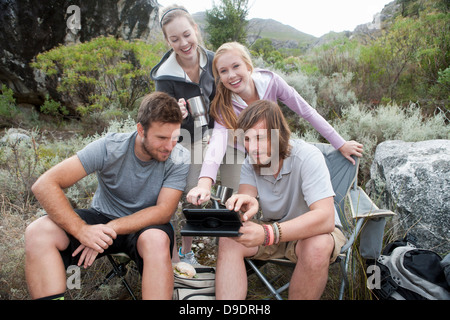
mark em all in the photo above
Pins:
pixel 141 177
pixel 298 215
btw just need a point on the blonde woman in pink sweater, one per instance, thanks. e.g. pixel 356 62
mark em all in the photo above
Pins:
pixel 238 85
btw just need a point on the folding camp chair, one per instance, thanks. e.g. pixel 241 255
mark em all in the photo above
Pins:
pixel 369 220
pixel 119 262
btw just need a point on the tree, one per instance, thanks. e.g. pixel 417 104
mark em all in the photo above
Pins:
pixel 227 22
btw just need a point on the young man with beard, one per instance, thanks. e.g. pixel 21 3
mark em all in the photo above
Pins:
pixel 298 222
pixel 141 176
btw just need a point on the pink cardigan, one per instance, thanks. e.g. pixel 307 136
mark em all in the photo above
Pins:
pixel 270 86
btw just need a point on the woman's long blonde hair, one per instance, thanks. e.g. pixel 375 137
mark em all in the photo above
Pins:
pixel 222 107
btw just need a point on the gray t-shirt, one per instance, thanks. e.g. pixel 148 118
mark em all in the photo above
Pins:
pixel 125 183
pixel 304 179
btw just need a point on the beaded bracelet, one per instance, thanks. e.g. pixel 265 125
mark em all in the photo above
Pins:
pixel 279 231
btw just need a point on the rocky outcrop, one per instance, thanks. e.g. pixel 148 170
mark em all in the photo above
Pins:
pixel 381 20
pixel 413 179
pixel 31 27
pixel 387 14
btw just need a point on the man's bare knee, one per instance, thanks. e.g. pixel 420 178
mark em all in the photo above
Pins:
pixel 315 252
pixel 226 243
pixel 153 242
pixel 227 246
pixel 43 233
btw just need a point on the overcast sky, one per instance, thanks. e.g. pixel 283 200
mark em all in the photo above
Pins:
pixel 315 17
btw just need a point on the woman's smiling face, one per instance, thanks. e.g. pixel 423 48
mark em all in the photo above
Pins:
pixel 234 72
pixel 182 37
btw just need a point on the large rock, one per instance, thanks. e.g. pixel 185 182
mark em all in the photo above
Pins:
pixel 30 27
pixel 413 179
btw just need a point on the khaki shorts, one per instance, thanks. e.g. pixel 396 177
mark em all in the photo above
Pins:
pixel 287 249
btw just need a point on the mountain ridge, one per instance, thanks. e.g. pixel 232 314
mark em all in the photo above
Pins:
pixel 267 28
pixel 286 36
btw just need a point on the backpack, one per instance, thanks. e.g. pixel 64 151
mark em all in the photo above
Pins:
pixel 411 273
pixel 201 287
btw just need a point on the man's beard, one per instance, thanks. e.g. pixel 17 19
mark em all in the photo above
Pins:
pixel 152 153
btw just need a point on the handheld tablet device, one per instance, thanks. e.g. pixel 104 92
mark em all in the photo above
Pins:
pixel 211 222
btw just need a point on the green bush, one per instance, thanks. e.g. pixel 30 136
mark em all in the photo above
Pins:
pixel 441 90
pixel 53 108
pixel 104 71
pixel 8 109
pixel 405 61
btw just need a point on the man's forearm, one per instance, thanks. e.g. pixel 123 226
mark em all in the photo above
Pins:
pixel 156 215
pixel 319 220
pixel 55 203
pixel 49 191
pixel 139 220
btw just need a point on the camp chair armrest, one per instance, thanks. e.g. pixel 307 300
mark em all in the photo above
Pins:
pixel 362 206
pixel 376 214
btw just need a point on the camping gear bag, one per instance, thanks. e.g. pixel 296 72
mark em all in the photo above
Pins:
pixel 201 287
pixel 411 273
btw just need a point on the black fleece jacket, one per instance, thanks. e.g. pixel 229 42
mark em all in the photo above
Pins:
pixel 178 87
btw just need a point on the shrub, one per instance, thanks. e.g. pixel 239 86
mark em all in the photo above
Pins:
pixel 53 108
pixel 19 164
pixel 334 93
pixel 389 122
pixel 442 89
pixel 373 126
pixel 328 94
pixel 101 72
pixel 8 109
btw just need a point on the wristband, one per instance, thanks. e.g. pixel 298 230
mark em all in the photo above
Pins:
pixel 266 235
pixel 271 234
